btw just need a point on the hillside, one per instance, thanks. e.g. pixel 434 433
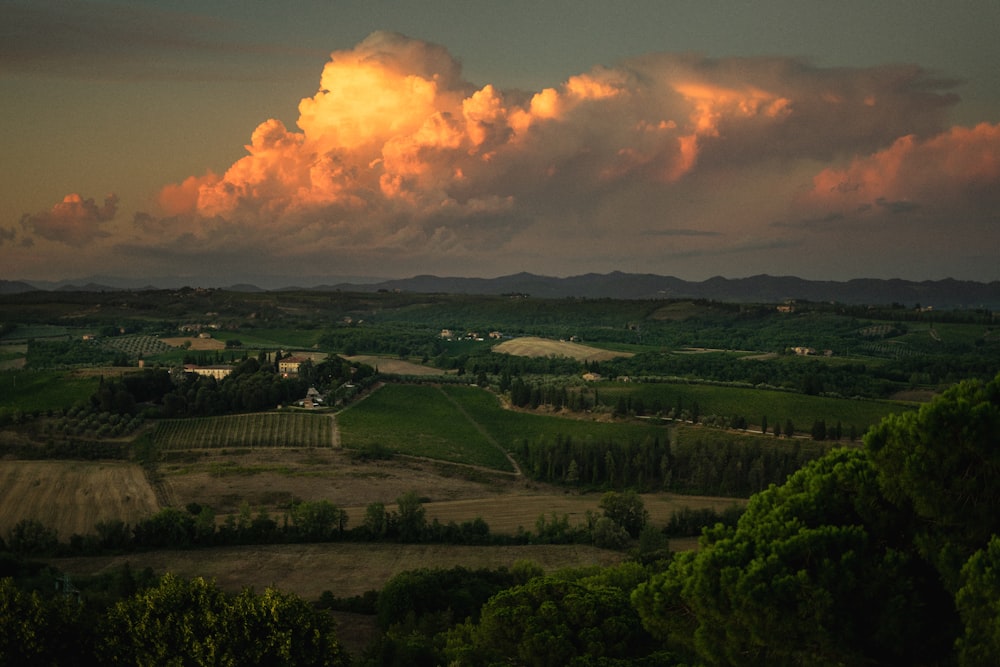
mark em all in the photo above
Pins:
pixel 945 293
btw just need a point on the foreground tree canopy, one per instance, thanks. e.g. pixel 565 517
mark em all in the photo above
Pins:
pixel 857 557
pixel 195 623
pixel 176 622
pixel 944 462
pixel 550 622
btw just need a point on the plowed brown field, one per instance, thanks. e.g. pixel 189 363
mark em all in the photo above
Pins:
pixel 72 496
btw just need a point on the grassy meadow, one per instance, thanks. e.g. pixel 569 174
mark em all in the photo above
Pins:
pixel 37 391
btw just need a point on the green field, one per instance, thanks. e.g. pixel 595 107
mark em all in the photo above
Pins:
pixel 268 429
pixel 419 420
pixel 754 404
pixel 273 338
pixel 464 424
pixel 510 427
pixel 30 331
pixel 37 391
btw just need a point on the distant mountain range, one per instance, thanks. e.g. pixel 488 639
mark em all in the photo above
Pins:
pixel 947 293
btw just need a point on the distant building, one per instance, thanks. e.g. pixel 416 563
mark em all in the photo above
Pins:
pixel 313 399
pixel 217 371
pixel 290 365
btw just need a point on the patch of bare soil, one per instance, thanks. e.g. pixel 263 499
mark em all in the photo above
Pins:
pixel 914 395
pixel 764 356
pixel 531 346
pixel 396 366
pixel 273 478
pixel 72 496
pixel 195 343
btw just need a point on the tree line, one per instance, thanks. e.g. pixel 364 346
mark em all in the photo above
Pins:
pixel 253 385
pixel 197 526
pixel 701 465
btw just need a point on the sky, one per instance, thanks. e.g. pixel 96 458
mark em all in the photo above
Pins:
pixel 303 142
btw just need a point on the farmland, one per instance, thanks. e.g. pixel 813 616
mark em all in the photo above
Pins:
pixel 510 427
pixel 285 429
pixel 31 391
pixel 754 403
pixel 508 447
pixel 419 420
pixel 194 343
pixel 533 346
pixel 72 496
pixel 138 346
pixel 395 365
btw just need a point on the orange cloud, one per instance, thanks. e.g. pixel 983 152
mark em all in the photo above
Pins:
pixel 712 103
pixel 958 168
pixel 397 155
pixel 182 198
pixel 74 221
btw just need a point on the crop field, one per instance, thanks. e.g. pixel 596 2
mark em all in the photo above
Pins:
pixel 396 366
pixel 12 356
pixel 522 510
pixel 419 420
pixel 269 429
pixel 72 496
pixel 531 346
pixel 138 345
pixel 510 427
pixel 195 343
pixel 756 403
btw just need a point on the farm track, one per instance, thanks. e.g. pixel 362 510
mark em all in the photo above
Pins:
pixel 489 438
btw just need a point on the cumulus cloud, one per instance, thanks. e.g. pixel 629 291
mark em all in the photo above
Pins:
pixel 955 171
pixel 396 149
pixel 398 159
pixel 74 221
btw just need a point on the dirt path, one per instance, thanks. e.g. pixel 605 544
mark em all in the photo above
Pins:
pixel 482 431
pixel 335 432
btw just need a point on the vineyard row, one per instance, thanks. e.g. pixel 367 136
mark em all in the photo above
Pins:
pixel 252 430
